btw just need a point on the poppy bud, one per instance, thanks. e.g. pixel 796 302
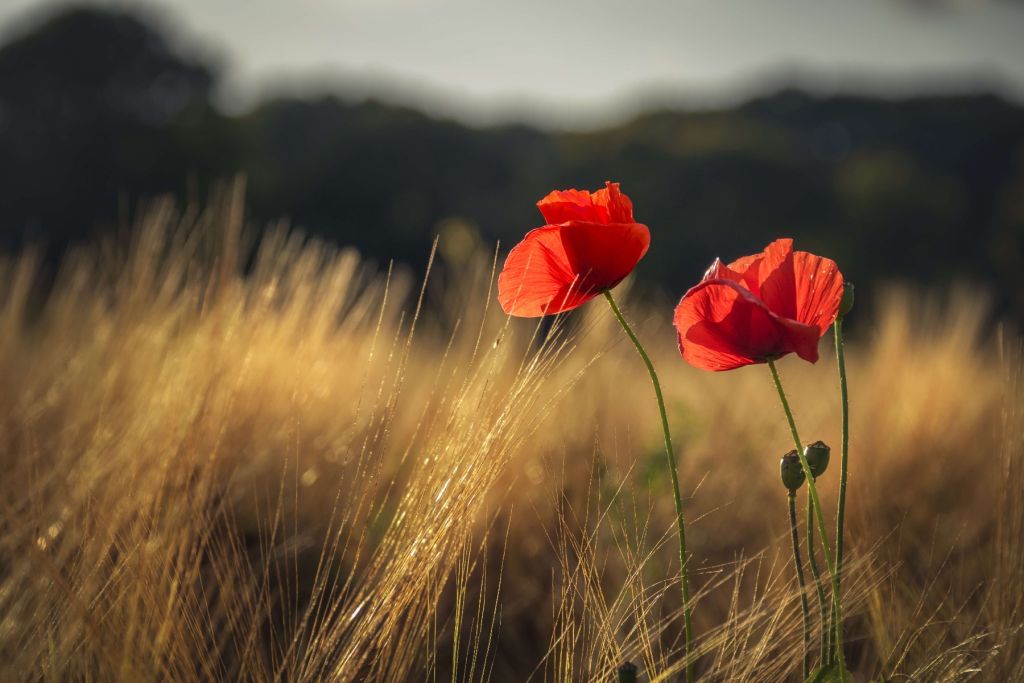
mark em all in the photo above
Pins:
pixel 846 303
pixel 817 455
pixel 791 470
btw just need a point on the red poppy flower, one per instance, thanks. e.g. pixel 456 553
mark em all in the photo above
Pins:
pixel 759 308
pixel 590 243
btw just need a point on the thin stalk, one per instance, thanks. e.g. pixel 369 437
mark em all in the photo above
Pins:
pixel 795 533
pixel 823 612
pixel 685 582
pixel 812 490
pixel 837 329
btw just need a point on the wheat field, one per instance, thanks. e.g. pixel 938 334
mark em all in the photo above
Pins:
pixel 267 460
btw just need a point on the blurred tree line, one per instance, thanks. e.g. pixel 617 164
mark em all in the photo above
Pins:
pixel 97 109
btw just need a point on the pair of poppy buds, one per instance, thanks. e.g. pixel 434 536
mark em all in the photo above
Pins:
pixel 792 471
pixel 755 309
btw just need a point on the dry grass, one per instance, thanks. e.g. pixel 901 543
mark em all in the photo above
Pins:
pixel 295 474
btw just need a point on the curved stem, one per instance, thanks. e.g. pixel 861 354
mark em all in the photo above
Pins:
pixel 687 616
pixel 812 490
pixel 795 533
pixel 837 329
pixel 819 589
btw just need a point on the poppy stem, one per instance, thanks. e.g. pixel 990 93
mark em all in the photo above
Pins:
pixel 812 491
pixel 685 582
pixel 837 329
pixel 816 573
pixel 795 533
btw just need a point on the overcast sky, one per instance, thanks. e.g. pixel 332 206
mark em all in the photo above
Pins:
pixel 576 62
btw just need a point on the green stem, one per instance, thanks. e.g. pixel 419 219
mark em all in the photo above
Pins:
pixel 837 329
pixel 687 616
pixel 794 531
pixel 812 490
pixel 819 589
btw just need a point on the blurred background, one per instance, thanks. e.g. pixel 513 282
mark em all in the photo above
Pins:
pixel 889 135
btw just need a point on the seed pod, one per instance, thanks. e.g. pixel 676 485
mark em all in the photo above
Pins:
pixel 846 303
pixel 817 455
pixel 791 470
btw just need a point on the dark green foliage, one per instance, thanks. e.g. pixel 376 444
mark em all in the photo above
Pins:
pixel 98 109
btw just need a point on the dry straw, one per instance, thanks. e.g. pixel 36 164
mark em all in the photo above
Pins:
pixel 237 459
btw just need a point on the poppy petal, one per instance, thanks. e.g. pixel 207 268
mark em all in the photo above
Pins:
pixel 721 326
pixel 744 263
pixel 617 205
pixel 603 254
pixel 538 279
pixel 800 285
pixel 747 269
pixel 819 289
pixel 770 278
pixel 607 205
pixel 562 206
pixel 720 271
